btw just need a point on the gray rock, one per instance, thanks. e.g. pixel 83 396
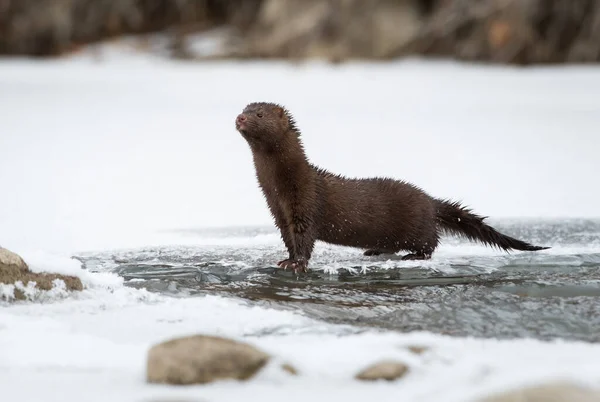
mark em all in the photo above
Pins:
pixel 556 392
pixel 201 359
pixel 383 370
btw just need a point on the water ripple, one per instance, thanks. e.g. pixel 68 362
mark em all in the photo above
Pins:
pixel 464 290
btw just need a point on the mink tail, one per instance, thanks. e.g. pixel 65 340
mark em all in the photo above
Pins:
pixel 457 220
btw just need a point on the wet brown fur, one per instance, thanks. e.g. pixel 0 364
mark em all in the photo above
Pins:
pixel 381 215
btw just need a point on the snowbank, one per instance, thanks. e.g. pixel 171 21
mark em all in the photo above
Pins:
pixel 73 351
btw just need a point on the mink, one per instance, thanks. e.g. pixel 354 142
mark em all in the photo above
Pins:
pixel 380 215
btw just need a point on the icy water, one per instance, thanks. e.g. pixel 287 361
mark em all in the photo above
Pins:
pixel 465 290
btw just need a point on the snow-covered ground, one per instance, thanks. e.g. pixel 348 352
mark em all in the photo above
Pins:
pixel 113 154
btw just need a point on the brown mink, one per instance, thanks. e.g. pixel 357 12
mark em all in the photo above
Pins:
pixel 380 215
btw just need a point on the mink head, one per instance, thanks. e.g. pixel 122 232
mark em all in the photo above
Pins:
pixel 266 125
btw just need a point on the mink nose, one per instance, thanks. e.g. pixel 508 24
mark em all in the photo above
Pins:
pixel 241 118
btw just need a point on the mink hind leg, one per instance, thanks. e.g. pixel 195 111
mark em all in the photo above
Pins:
pixel 424 250
pixel 416 256
pixel 423 253
pixel 377 251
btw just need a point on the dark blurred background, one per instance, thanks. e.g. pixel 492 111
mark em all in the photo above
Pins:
pixel 498 31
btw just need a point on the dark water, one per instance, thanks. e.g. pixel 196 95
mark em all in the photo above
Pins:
pixel 482 293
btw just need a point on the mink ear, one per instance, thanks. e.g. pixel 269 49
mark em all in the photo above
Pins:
pixel 279 111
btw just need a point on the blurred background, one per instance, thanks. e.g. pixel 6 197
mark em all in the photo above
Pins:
pixel 118 115
pixel 521 32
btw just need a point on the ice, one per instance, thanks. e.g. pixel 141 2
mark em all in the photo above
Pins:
pixel 126 152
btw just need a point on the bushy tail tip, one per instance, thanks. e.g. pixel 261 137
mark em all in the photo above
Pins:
pixel 461 221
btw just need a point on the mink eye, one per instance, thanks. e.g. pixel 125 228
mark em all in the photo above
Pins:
pixel 259 115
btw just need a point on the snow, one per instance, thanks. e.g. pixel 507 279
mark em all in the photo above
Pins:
pixel 144 144
pixel 125 152
pixel 70 351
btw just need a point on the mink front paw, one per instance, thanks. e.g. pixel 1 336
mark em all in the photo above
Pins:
pixel 296 265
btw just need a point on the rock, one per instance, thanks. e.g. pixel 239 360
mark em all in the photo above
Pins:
pixel 418 350
pixel 384 370
pixel 14 271
pixel 201 359
pixel 289 369
pixel 557 392
pixel 8 258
